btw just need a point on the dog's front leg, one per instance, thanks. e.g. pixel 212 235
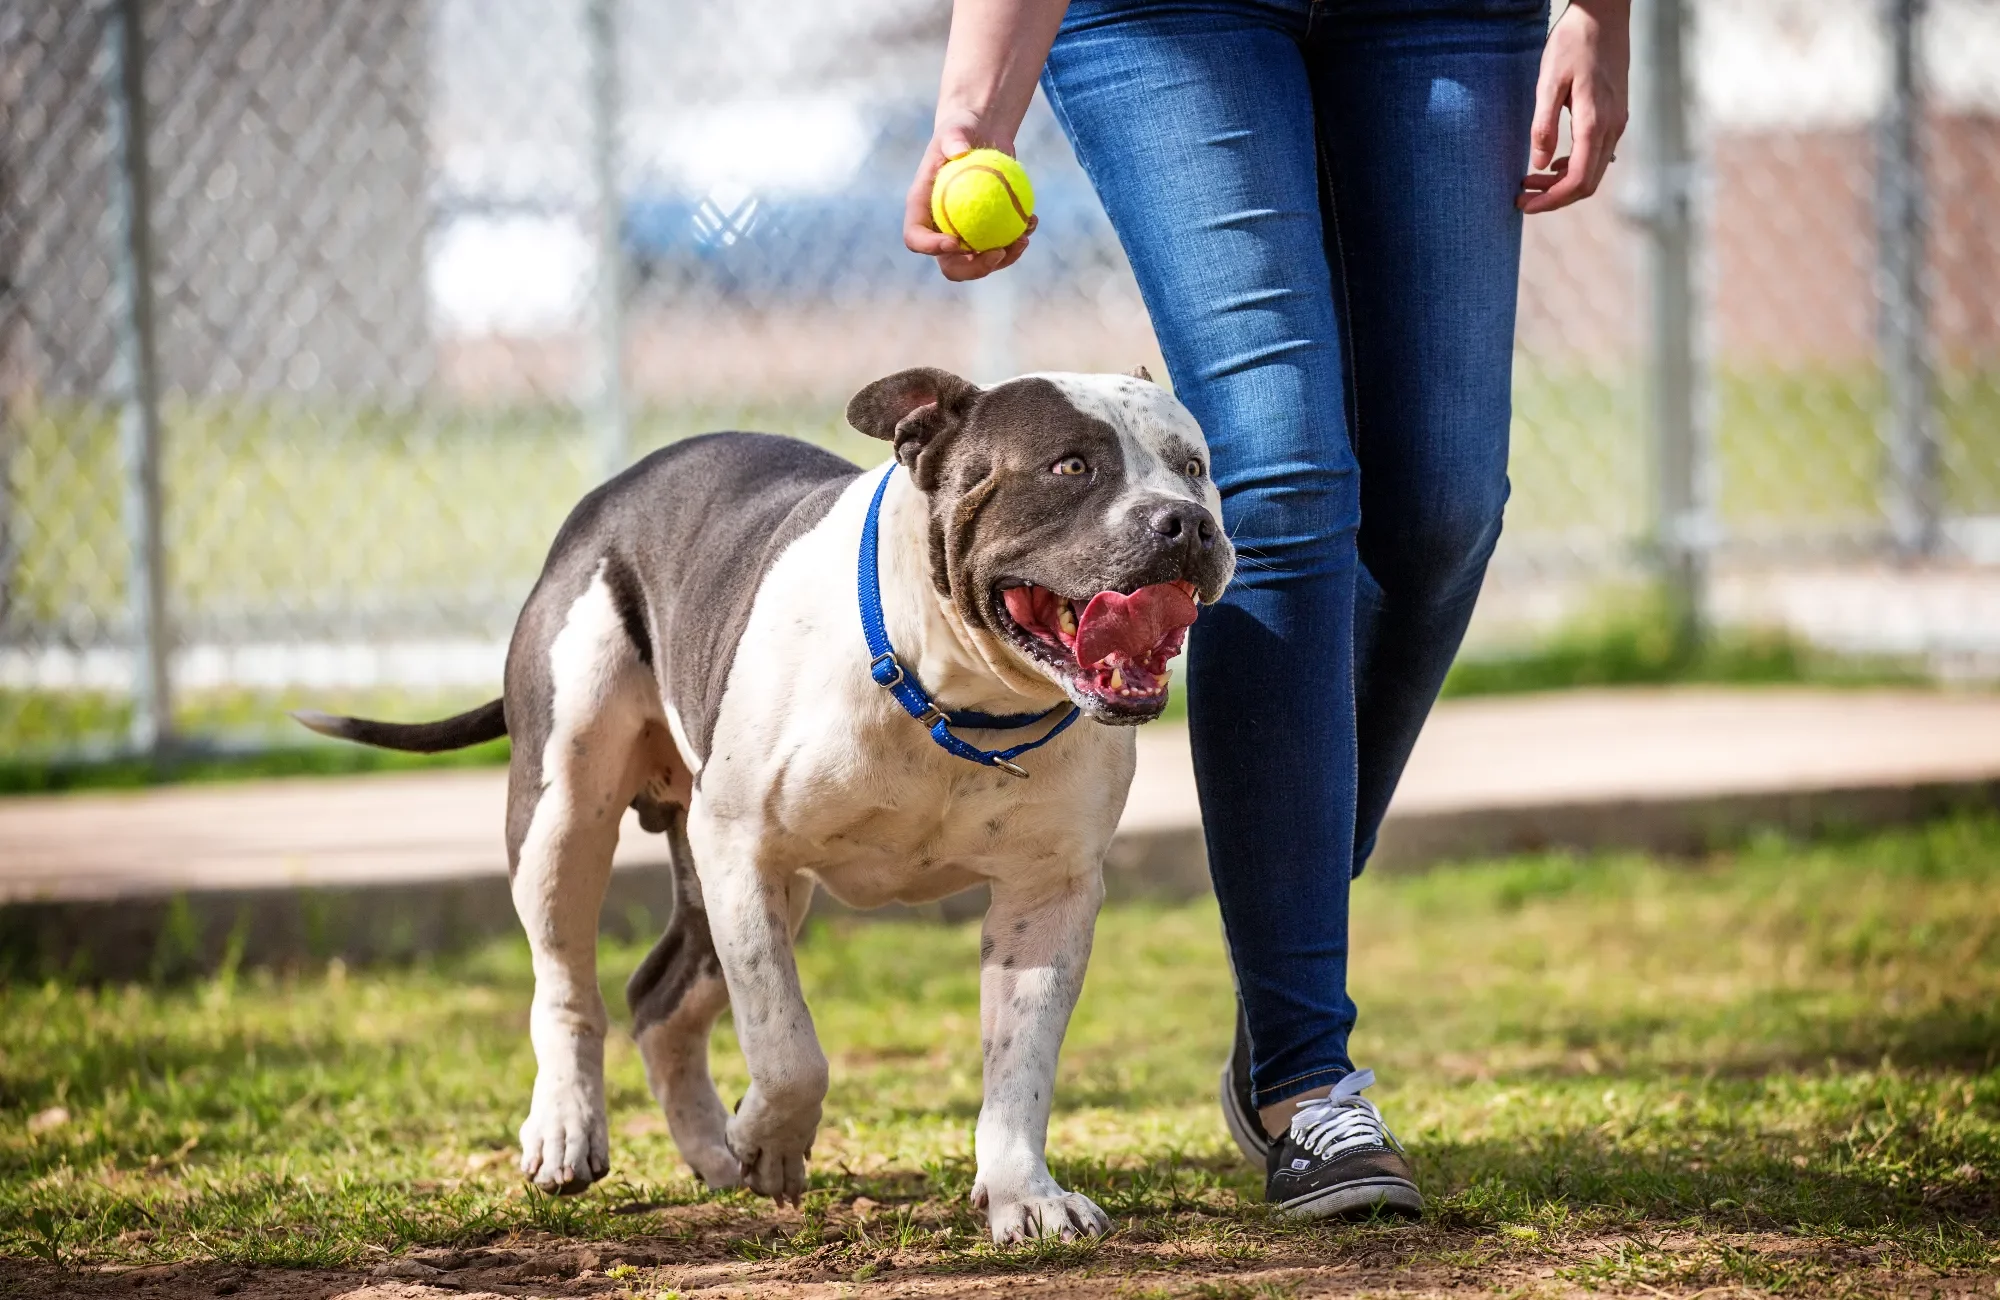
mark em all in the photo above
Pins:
pixel 750 916
pixel 1031 961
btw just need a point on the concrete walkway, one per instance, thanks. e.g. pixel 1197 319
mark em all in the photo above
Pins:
pixel 1649 768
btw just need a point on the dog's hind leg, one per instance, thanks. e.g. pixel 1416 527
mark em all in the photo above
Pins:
pixel 753 909
pixel 676 994
pixel 583 712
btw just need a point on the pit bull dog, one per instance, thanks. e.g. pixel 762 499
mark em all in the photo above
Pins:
pixel 808 674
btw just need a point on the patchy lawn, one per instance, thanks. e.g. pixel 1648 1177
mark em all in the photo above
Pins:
pixel 1775 1072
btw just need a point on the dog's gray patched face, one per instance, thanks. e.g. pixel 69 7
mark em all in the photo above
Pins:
pixel 1046 491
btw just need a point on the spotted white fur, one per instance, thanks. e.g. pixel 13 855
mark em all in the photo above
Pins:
pixel 815 777
pixel 1156 434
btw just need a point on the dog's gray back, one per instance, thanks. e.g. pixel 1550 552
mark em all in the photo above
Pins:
pixel 683 539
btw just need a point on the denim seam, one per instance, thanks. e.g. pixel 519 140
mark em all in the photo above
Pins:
pixel 1298 1083
pixel 1351 392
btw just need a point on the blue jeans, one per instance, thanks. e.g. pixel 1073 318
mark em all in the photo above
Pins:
pixel 1317 198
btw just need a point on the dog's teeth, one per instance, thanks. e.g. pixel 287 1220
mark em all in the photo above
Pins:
pixel 1117 680
pixel 1066 618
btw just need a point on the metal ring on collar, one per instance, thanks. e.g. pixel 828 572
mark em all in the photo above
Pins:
pixel 894 662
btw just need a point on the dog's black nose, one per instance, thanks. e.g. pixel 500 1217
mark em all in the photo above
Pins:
pixel 1180 520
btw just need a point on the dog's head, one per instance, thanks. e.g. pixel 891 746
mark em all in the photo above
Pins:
pixel 1073 522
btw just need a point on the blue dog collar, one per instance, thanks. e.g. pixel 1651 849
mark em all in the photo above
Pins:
pixel 891 676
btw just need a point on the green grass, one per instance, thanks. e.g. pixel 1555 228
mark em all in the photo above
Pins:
pixel 1795 450
pixel 308 511
pixel 1777 1071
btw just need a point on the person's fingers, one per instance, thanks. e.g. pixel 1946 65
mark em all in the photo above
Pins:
pixel 1550 92
pixel 1579 178
pixel 931 243
pixel 1543 179
pixel 1014 250
pixel 1013 253
pixel 1599 114
pixel 960 267
pixel 1590 125
pixel 919 235
pixel 965 267
pixel 956 262
pixel 1539 181
pixel 1610 130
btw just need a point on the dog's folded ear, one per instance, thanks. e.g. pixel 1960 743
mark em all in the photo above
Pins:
pixel 1140 372
pixel 911 408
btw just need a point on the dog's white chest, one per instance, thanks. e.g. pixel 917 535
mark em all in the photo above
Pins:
pixel 880 814
pixel 841 783
pixel 943 836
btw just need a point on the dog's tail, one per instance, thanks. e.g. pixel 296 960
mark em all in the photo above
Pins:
pixel 473 727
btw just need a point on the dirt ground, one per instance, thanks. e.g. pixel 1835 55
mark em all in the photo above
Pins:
pixel 697 1254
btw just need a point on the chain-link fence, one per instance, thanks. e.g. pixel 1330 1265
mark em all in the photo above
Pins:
pixel 317 315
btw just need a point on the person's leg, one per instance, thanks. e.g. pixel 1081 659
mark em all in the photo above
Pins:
pixel 1424 113
pixel 1196 126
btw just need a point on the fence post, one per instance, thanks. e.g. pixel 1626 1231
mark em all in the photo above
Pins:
pixel 994 300
pixel 1674 379
pixel 1915 497
pixel 138 380
pixel 610 425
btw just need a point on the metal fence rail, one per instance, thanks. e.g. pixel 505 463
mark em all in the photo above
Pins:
pixel 316 316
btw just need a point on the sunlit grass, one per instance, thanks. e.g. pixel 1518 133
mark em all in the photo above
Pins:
pixel 1632 1071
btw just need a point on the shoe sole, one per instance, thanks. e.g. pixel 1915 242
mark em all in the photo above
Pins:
pixel 1358 1200
pixel 1256 1148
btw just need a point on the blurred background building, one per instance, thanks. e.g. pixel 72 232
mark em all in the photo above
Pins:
pixel 316 316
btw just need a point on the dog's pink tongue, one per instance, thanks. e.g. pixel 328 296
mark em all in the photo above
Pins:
pixel 1131 625
pixel 1031 607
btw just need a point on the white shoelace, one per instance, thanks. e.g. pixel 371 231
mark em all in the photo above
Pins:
pixel 1342 1120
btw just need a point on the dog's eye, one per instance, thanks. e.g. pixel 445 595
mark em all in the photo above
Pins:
pixel 1193 468
pixel 1070 465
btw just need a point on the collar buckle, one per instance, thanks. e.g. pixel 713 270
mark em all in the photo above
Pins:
pixel 887 670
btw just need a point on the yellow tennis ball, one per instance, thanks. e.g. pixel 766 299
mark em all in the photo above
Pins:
pixel 983 198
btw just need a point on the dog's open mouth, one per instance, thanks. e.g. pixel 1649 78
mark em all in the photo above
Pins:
pixel 1112 646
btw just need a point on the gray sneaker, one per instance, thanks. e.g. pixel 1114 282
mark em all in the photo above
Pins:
pixel 1339 1160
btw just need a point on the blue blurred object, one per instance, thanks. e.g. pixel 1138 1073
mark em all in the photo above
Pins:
pixel 833 245
pixel 847 242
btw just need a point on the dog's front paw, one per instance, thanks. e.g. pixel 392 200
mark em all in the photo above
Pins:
pixel 772 1149
pixel 771 1135
pixel 1071 1216
pixel 564 1144
pixel 774 1172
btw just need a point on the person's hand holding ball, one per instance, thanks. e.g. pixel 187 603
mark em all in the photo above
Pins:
pixel 971 207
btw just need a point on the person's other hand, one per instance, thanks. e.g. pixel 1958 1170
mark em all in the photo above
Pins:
pixel 955 261
pixel 1584 67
